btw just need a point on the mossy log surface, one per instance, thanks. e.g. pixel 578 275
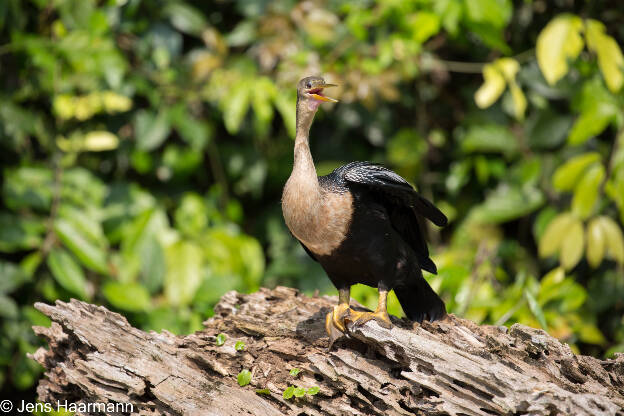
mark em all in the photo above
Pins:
pixel 452 366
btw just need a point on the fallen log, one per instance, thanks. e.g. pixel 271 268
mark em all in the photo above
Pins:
pixel 452 366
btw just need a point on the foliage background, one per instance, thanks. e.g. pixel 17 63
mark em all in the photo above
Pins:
pixel 144 146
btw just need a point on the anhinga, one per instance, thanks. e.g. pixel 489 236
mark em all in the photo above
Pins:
pixel 361 223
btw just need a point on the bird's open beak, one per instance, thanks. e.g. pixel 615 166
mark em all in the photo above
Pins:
pixel 317 93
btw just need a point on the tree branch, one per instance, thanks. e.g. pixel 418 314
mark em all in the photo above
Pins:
pixel 452 366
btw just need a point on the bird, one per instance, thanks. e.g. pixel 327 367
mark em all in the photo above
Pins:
pixel 362 223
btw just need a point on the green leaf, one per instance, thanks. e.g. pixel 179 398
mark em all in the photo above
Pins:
pixel 493 12
pixel 150 130
pixel 185 18
pixel 559 41
pixel 313 390
pixel 183 275
pixel 86 221
pixel 489 138
pixel 220 340
pixel 289 392
pixel 8 308
pixel 19 233
pixel 590 334
pixel 567 176
pixel 239 346
pixel 610 58
pixel 243 378
pixel 11 277
pixel 28 188
pixel 68 273
pixel 89 255
pixel 424 25
pixel 535 308
pixel 591 123
pixel 548 130
pixel 263 391
pixel 235 106
pixel 152 257
pixel 596 243
pixel 551 240
pixel 572 245
pixel 130 296
pixel 586 192
pixel 507 203
pixel 299 392
pixel 294 371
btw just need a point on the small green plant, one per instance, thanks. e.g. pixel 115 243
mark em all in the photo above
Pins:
pixel 299 392
pixel 221 339
pixel 289 392
pixel 295 371
pixel 244 377
pixel 239 346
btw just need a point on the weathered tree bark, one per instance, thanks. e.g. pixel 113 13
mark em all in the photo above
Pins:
pixel 449 367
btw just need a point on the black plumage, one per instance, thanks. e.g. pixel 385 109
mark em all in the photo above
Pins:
pixel 384 244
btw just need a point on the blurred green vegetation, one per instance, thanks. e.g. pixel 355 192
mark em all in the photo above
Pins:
pixel 144 146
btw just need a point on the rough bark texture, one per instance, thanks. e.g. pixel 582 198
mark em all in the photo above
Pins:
pixel 449 367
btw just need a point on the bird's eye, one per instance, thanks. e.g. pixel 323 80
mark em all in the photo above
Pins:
pixel 308 85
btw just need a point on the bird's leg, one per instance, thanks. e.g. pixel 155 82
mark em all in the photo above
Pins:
pixel 335 320
pixel 380 315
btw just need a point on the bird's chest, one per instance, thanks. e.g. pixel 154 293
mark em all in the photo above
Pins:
pixel 318 218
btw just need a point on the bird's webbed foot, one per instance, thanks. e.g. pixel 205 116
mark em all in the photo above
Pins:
pixel 335 322
pixel 380 316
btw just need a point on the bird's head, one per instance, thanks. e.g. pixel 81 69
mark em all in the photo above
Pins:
pixel 310 91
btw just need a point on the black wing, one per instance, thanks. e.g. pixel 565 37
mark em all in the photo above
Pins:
pixel 405 205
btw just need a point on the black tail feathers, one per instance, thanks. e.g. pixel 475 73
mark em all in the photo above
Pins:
pixel 419 301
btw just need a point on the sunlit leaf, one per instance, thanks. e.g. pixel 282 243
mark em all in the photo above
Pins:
pixel 536 309
pixel 590 334
pixel 89 254
pixel 130 296
pixel 183 275
pixel 489 138
pixel 150 130
pixel 553 236
pixel 591 123
pixel 220 339
pixel 596 243
pixel 235 106
pixel 68 273
pixel 519 101
pixel 567 176
pixel 610 58
pixel 492 87
pixel 572 245
pixel 244 377
pixel 559 41
pixel 289 392
pixel 100 140
pixel 614 238
pixel 424 25
pixel 586 192
pixel 299 392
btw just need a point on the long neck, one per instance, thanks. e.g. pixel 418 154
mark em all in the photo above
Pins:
pixel 304 164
